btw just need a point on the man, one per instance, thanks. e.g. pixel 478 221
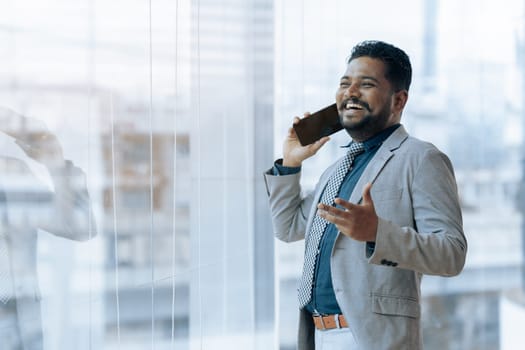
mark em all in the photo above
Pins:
pixel 379 218
pixel 26 206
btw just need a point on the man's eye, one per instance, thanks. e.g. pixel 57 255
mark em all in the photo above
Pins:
pixel 365 84
pixel 343 85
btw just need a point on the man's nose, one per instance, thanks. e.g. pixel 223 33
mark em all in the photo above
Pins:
pixel 352 91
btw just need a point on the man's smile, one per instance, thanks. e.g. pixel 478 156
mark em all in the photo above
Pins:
pixel 354 105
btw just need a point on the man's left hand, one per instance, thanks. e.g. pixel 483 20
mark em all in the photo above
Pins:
pixel 357 221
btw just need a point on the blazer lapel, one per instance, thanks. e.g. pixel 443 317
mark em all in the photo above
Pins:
pixel 384 153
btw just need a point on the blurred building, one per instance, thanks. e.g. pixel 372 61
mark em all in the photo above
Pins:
pixel 147 231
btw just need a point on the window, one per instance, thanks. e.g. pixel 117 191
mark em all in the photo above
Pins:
pixel 157 233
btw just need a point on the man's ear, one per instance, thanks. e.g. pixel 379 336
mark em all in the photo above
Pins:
pixel 400 99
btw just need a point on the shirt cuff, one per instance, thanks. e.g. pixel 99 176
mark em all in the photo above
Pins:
pixel 280 169
pixel 370 248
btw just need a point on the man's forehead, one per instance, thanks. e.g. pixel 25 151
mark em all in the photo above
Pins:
pixel 365 67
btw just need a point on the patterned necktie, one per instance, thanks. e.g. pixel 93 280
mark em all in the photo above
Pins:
pixel 319 224
pixel 6 282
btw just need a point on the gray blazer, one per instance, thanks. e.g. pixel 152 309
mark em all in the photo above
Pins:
pixel 64 212
pixel 419 232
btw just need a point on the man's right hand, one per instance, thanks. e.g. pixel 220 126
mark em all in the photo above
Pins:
pixel 33 137
pixel 293 152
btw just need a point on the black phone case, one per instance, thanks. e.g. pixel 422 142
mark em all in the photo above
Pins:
pixel 321 123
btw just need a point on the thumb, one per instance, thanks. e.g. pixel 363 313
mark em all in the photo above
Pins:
pixel 367 196
pixel 319 143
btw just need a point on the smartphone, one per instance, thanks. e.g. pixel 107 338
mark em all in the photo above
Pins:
pixel 321 123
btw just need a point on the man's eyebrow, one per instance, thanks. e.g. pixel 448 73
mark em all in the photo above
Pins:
pixel 369 77
pixel 362 77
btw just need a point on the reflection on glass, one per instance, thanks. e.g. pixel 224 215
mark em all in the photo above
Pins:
pixel 28 206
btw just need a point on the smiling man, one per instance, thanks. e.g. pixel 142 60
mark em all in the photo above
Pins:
pixel 380 217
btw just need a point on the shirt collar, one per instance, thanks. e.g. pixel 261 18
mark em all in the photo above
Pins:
pixel 377 139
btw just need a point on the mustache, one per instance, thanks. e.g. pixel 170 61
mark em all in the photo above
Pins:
pixel 357 102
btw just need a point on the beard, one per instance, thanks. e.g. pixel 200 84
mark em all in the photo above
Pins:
pixel 370 124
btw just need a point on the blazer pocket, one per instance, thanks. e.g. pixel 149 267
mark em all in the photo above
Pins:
pixel 386 194
pixel 395 305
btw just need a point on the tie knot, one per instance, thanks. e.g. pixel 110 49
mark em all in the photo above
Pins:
pixel 356 148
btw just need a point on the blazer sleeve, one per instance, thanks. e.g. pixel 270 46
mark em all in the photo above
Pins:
pixel 288 207
pixel 64 210
pixel 435 244
pixel 71 214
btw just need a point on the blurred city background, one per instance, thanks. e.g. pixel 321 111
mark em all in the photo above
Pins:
pixel 174 108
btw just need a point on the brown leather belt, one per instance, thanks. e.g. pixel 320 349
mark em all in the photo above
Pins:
pixel 329 322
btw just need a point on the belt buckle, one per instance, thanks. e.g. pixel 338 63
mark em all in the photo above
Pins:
pixel 337 321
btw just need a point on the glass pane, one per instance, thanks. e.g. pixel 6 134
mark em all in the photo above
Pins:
pixel 152 234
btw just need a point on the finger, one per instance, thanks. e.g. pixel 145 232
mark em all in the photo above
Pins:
pixel 291 132
pixel 367 196
pixel 330 209
pixel 333 216
pixel 324 212
pixel 323 140
pixel 345 204
pixel 306 114
pixel 296 120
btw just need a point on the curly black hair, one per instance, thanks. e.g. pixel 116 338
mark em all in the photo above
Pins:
pixel 398 67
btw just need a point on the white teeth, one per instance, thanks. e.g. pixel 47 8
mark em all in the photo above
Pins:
pixel 352 105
